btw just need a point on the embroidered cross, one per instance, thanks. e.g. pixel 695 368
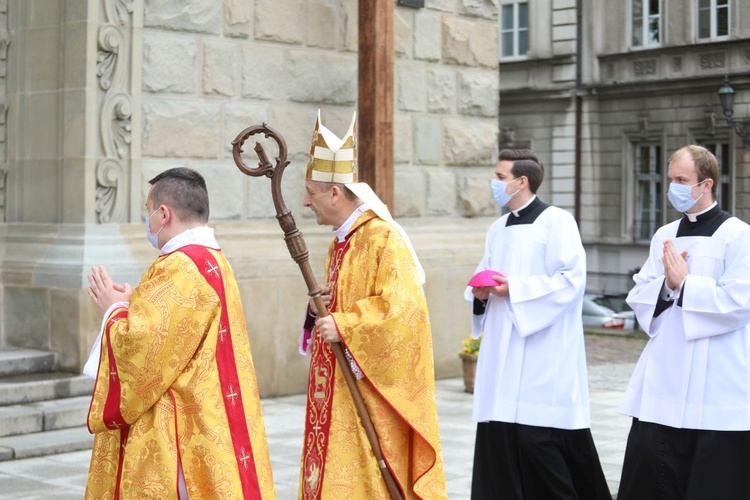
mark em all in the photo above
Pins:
pixel 116 424
pixel 212 269
pixel 222 331
pixel 316 427
pixel 113 374
pixel 232 394
pixel 244 458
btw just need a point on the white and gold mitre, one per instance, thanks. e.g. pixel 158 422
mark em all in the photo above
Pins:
pixel 333 159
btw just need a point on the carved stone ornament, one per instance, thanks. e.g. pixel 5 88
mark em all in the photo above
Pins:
pixel 709 119
pixel 508 137
pixel 643 126
pixel 107 59
pixel 119 10
pixel 3 111
pixel 644 68
pixel 711 61
pixel 677 64
pixel 4 43
pixel 116 131
pixel 115 119
pixel 110 205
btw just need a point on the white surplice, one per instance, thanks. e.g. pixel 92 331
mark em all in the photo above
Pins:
pixel 532 362
pixel 694 372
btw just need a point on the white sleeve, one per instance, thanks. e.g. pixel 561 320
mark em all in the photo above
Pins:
pixel 553 292
pixel 649 281
pixel 714 307
pixel 91 368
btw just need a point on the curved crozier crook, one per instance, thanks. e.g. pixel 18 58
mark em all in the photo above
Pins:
pixel 264 166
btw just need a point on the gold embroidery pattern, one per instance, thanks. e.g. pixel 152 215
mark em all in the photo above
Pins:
pixel 382 317
pixel 168 341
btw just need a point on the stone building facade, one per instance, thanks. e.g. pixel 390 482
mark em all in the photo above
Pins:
pixel 614 87
pixel 98 96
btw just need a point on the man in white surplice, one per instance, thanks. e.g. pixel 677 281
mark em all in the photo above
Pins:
pixel 531 400
pixel 690 391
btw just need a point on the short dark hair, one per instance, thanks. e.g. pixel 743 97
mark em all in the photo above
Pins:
pixel 184 190
pixel 525 164
pixel 706 165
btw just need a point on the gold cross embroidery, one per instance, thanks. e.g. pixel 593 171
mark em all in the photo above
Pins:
pixel 244 458
pixel 222 331
pixel 212 269
pixel 113 374
pixel 232 394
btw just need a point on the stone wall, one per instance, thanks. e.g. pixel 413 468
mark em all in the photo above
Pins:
pixel 210 69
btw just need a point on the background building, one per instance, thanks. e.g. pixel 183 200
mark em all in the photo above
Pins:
pixel 605 90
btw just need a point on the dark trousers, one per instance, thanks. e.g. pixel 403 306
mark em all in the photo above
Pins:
pixel 685 464
pixel 523 462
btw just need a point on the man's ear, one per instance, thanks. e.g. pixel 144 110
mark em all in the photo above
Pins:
pixel 336 193
pixel 168 213
pixel 709 184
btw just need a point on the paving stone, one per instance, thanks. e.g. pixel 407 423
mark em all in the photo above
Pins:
pixel 284 420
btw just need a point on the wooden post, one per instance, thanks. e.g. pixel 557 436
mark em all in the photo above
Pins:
pixel 375 97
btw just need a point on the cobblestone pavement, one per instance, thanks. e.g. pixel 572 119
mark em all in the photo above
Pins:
pixel 611 361
pixel 625 348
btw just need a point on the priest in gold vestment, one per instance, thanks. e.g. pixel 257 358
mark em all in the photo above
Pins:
pixel 379 313
pixel 175 410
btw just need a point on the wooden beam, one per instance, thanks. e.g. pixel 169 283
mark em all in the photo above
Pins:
pixel 375 97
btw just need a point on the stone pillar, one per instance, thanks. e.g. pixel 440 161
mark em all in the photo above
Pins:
pixel 72 161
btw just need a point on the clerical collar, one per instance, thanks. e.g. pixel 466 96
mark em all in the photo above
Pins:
pixel 202 235
pixel 696 216
pixel 704 223
pixel 518 211
pixel 344 228
pixel 527 214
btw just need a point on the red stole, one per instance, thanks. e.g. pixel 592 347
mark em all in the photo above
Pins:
pixel 228 378
pixel 320 385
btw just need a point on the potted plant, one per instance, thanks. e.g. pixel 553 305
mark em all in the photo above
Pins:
pixel 469 354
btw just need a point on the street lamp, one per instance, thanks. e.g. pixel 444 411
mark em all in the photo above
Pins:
pixel 726 94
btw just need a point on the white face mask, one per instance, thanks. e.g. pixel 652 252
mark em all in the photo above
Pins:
pixel 498 191
pixel 153 238
pixel 681 196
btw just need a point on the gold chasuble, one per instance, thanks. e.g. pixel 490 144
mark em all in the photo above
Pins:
pixel 176 390
pixel 380 311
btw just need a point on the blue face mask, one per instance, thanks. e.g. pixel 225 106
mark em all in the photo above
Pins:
pixel 681 197
pixel 153 238
pixel 498 191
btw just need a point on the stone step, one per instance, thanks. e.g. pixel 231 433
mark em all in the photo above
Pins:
pixel 40 444
pixel 35 387
pixel 19 361
pixel 43 416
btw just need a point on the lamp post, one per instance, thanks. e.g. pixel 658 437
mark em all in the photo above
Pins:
pixel 740 126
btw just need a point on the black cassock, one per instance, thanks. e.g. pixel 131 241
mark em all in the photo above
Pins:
pixel 524 462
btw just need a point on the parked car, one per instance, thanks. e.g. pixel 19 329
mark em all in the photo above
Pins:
pixel 607 311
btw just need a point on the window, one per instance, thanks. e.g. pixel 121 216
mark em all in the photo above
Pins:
pixel 713 19
pixel 646 25
pixel 723 191
pixel 514 31
pixel 648 191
